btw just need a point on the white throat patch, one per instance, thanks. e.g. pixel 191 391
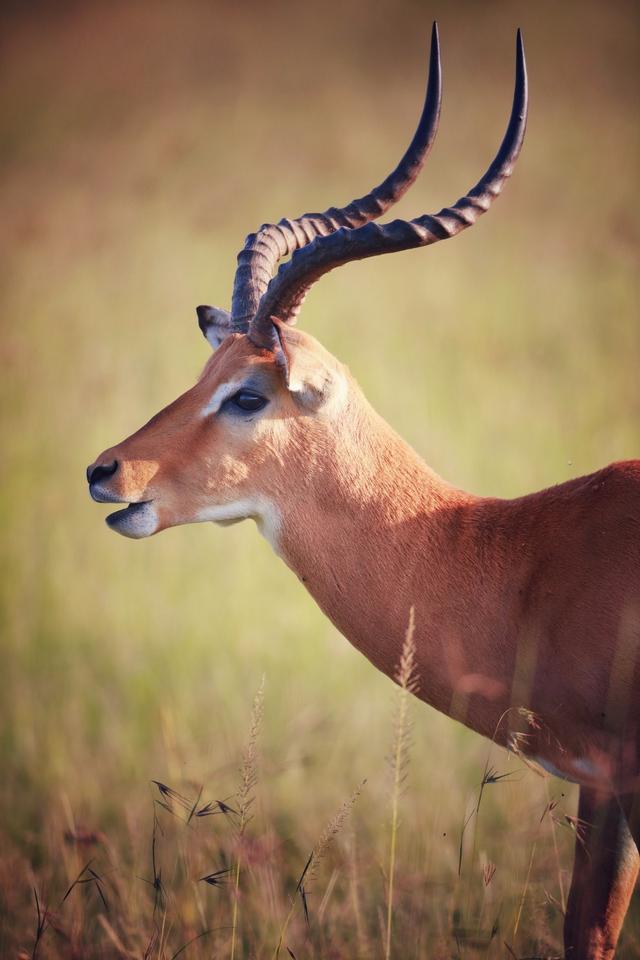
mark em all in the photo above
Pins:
pixel 264 512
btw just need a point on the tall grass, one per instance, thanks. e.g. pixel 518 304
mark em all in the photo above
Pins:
pixel 329 834
pixel 190 873
pixel 246 798
pixel 407 680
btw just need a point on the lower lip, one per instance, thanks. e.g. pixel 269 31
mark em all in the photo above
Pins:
pixel 135 521
pixel 129 512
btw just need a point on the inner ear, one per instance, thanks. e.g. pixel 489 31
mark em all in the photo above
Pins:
pixel 214 323
pixel 307 377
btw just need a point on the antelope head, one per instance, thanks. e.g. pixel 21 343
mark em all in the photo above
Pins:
pixel 272 405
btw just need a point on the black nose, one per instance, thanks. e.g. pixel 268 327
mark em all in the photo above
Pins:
pixel 100 471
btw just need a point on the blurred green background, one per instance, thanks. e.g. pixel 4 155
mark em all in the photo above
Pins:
pixel 140 142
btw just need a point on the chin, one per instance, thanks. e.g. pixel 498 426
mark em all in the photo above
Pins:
pixel 136 521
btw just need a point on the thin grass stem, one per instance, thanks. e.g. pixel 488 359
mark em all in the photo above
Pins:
pixel 246 798
pixel 407 683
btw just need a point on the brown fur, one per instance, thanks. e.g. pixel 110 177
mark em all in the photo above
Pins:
pixel 527 611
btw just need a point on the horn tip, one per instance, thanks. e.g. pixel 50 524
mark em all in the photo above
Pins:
pixel 521 60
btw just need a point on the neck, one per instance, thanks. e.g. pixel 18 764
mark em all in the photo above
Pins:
pixel 377 533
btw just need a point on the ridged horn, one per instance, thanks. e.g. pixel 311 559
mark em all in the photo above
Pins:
pixel 263 250
pixel 288 288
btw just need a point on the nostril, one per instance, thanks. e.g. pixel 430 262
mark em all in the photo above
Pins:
pixel 101 471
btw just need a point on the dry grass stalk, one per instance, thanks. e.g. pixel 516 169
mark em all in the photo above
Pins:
pixel 355 895
pixel 551 806
pixel 407 681
pixel 488 872
pixel 329 834
pixel 331 831
pixel 246 797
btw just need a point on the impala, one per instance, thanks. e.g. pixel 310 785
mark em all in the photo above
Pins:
pixel 527 611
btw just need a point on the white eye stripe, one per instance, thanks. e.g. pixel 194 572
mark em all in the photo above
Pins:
pixel 222 393
pixel 225 391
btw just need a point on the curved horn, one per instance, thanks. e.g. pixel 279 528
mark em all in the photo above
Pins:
pixel 263 250
pixel 289 286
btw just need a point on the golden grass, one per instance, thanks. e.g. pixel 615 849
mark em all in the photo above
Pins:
pixel 246 797
pixel 140 142
pixel 407 681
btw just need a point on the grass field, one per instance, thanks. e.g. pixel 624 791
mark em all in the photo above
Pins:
pixel 140 142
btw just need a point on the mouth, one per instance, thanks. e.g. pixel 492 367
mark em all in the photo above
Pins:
pixel 136 520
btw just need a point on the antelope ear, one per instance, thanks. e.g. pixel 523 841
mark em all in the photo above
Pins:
pixel 215 324
pixel 307 376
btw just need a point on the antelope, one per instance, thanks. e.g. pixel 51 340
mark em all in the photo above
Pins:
pixel 527 611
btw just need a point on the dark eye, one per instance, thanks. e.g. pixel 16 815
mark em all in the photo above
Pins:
pixel 247 400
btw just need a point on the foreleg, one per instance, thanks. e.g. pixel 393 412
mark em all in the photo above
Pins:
pixel 604 875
